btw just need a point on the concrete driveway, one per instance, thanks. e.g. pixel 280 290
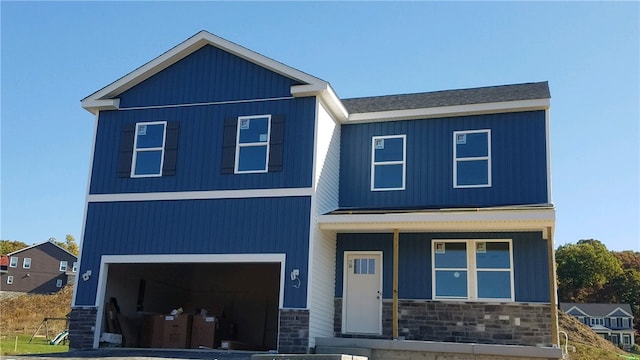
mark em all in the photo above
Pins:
pixel 137 354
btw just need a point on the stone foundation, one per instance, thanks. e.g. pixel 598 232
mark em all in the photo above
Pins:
pixel 82 323
pixel 294 331
pixel 464 322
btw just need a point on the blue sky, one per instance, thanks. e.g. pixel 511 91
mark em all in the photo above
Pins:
pixel 53 54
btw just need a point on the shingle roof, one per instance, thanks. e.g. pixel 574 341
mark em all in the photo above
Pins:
pixel 528 91
pixel 598 310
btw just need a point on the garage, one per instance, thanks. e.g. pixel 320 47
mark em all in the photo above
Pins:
pixel 244 297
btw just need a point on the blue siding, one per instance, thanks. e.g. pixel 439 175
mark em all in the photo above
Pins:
pixel 234 226
pixel 519 163
pixel 414 268
pixel 200 148
pixel 207 75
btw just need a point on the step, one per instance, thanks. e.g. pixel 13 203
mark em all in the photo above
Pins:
pixel 307 357
pixel 327 349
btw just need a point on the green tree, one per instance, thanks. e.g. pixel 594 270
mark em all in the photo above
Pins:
pixel 68 244
pixel 9 246
pixel 583 269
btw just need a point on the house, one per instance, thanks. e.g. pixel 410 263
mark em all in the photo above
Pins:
pixel 613 322
pixel 39 269
pixel 221 177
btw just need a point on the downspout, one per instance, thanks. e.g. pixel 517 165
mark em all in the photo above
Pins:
pixel 553 293
pixel 395 283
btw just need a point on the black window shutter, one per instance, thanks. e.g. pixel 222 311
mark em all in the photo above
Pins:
pixel 170 149
pixel 276 143
pixel 229 145
pixel 126 150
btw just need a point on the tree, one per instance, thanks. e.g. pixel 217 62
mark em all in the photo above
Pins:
pixel 69 244
pixel 9 246
pixel 583 269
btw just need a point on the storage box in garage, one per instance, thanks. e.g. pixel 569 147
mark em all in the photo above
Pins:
pixel 166 331
pixel 203 332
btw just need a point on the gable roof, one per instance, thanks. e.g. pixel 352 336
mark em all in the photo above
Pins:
pixel 107 97
pixel 597 310
pixel 41 244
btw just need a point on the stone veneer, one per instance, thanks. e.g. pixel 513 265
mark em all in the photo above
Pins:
pixel 294 331
pixel 82 322
pixel 465 322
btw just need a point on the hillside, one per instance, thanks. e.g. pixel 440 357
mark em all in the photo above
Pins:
pixel 23 314
pixel 589 346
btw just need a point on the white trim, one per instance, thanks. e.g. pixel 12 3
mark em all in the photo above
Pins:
pixel 9 279
pixel 547 126
pixel 177 53
pixel 202 195
pixel 471 270
pixel 13 264
pixel 621 309
pixel 74 267
pixel 344 285
pixel 134 159
pixel 42 243
pixel 66 265
pixel 253 144
pixel 206 103
pixel 577 308
pixel 449 111
pixel 458 220
pixel 26 261
pixel 475 158
pixel 402 162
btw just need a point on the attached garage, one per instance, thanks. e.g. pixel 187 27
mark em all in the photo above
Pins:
pixel 243 293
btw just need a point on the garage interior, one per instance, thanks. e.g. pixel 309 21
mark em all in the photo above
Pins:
pixel 244 298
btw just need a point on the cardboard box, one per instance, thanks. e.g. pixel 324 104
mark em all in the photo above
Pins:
pixel 166 331
pixel 203 332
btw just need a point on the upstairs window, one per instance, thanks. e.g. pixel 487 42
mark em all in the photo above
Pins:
pixel 63 265
pixel 13 262
pixel 74 268
pixel 597 321
pixel 252 145
pixel 388 166
pixel 26 263
pixel 472 159
pixel 148 149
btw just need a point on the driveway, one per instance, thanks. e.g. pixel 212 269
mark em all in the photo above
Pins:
pixel 137 354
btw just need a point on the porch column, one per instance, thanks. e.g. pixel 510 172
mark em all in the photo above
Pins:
pixel 553 293
pixel 395 282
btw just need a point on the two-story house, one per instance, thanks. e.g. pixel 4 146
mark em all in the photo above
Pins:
pixel 40 269
pixel 221 177
pixel 613 322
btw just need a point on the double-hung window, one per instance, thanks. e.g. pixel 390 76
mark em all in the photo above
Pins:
pixel 13 262
pixel 148 149
pixel 252 144
pixel 473 270
pixel 388 162
pixel 9 279
pixel 597 321
pixel 59 283
pixel 74 268
pixel 63 265
pixel 472 158
pixel 26 263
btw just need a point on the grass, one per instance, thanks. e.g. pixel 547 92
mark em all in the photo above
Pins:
pixel 39 345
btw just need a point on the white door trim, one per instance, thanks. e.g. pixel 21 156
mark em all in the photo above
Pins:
pixel 345 290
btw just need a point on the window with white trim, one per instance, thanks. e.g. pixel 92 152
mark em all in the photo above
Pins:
pixel 472 269
pixel 59 283
pixel 148 149
pixel 26 263
pixel 63 265
pixel 74 268
pixel 597 321
pixel 388 162
pixel 252 144
pixel 626 339
pixel 472 158
pixel 13 262
pixel 9 279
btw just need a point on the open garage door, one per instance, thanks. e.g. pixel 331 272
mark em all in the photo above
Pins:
pixel 243 297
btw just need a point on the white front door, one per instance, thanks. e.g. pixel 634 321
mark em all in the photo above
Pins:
pixel 362 303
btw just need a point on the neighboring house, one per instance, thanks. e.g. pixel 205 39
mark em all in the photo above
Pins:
pixel 222 177
pixel 40 269
pixel 613 322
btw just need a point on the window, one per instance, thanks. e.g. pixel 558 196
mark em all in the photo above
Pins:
pixel 388 154
pixel 252 145
pixel 63 266
pixel 614 339
pixel 148 149
pixel 74 268
pixel 472 269
pixel 59 283
pixel 13 262
pixel 9 280
pixel 26 263
pixel 364 266
pixel 597 321
pixel 626 339
pixel 472 158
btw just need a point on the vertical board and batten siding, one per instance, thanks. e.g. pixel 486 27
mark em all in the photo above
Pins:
pixel 323 244
pixel 199 150
pixel 518 161
pixel 207 75
pixel 530 265
pixel 226 226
